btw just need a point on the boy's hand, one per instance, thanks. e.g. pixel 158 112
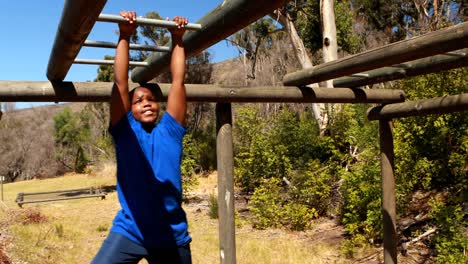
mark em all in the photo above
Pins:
pixel 126 28
pixel 180 29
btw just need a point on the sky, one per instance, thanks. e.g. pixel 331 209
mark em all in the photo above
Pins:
pixel 28 29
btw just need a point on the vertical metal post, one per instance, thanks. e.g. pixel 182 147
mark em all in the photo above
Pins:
pixel 225 164
pixel 388 191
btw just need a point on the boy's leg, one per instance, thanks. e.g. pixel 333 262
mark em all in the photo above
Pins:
pixel 177 255
pixel 119 249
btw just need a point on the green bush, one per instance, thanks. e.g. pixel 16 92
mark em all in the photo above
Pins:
pixel 188 165
pixel 313 187
pixel 450 241
pixel 361 190
pixel 72 134
pixel 298 217
pixel 274 146
pixel 271 207
pixel 213 206
pixel 266 205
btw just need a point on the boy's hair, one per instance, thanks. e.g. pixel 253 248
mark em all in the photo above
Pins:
pixel 154 88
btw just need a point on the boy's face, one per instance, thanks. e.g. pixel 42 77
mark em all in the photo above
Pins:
pixel 144 106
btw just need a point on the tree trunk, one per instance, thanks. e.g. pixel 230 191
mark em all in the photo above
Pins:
pixel 329 49
pixel 301 53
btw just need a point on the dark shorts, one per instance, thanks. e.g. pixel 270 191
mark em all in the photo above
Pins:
pixel 119 249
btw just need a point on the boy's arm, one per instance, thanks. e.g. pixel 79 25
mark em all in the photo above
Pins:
pixel 176 101
pixel 120 102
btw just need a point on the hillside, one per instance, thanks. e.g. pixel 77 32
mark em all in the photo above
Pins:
pixel 227 72
pixel 28 147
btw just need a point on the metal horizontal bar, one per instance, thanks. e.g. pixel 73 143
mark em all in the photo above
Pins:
pixel 147 22
pixel 437 42
pixel 61 199
pixel 77 21
pixel 109 62
pixel 113 45
pixel 432 64
pixel 439 105
pixel 16 91
pixel 220 23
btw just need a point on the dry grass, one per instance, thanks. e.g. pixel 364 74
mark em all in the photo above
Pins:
pixel 72 231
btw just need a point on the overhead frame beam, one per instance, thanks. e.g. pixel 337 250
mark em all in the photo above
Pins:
pixel 18 91
pixel 220 23
pixel 413 68
pixel 437 42
pixel 77 21
pixel 438 105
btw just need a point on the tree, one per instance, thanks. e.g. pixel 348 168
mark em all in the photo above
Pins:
pixel 105 72
pixel 26 146
pixel 71 134
pixel 252 40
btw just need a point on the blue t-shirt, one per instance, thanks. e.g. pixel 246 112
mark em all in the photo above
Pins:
pixel 149 184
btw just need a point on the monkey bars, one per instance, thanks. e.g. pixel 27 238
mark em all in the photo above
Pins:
pixel 431 64
pixel 437 42
pixel 402 59
pixel 109 62
pixel 147 22
pixel 112 45
pixel 226 19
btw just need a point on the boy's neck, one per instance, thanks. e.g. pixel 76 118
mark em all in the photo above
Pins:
pixel 148 127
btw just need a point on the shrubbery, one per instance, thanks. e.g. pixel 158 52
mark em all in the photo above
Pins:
pixel 294 174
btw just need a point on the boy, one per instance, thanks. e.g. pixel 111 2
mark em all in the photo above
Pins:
pixel 151 223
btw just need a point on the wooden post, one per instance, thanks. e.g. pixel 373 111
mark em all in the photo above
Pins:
pixel 388 192
pixel 225 161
